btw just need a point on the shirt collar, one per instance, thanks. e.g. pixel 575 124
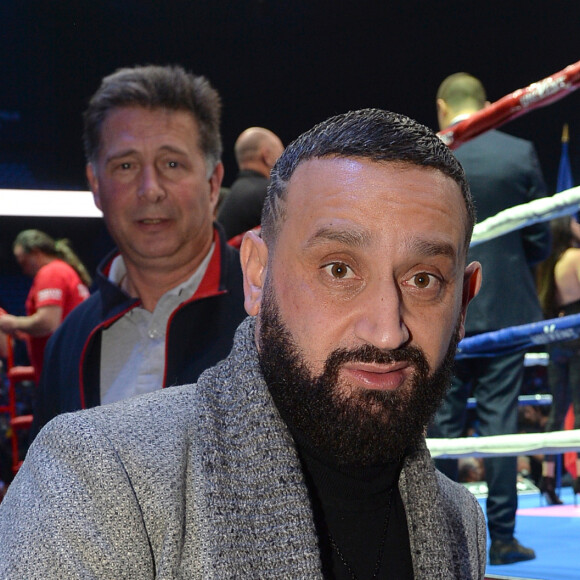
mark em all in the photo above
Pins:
pixel 118 273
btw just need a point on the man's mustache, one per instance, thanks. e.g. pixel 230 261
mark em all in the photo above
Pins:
pixel 368 353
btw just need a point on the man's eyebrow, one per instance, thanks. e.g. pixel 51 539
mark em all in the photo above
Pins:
pixel 350 237
pixel 118 155
pixel 126 152
pixel 431 248
pixel 360 239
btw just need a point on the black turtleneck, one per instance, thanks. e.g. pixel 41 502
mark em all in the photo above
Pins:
pixel 351 505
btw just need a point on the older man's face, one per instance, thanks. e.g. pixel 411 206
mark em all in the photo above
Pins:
pixel 151 182
pixel 370 263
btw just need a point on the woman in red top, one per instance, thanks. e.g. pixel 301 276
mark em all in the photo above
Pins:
pixel 60 283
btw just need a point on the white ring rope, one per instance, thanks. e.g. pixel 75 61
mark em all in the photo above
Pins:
pixel 554 442
pixel 520 216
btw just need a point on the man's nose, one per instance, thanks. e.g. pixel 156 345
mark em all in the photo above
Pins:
pixel 380 318
pixel 151 188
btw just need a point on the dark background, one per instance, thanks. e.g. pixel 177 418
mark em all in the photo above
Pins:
pixel 281 64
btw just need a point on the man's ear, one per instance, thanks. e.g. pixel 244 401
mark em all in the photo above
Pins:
pixel 215 182
pixel 93 184
pixel 471 285
pixel 442 113
pixel 254 258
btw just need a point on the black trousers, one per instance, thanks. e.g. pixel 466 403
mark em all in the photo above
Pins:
pixel 495 382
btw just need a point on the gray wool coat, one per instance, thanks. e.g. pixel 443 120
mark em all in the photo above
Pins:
pixel 201 481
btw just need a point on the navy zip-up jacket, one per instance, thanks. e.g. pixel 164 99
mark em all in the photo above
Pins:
pixel 200 334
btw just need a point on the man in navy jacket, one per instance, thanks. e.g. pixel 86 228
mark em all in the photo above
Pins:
pixel 168 302
pixel 503 171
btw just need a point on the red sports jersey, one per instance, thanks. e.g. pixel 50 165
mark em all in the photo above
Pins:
pixel 56 284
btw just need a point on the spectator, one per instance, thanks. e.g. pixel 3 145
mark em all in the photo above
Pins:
pixel 471 470
pixel 256 151
pixel 503 171
pixel 559 290
pixel 60 283
pixel 168 302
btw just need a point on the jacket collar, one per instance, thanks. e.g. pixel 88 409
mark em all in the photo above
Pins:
pixel 213 282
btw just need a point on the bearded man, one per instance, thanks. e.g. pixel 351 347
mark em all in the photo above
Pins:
pixel 302 455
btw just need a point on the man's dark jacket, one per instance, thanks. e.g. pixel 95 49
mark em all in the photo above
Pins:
pixel 200 334
pixel 242 208
pixel 503 171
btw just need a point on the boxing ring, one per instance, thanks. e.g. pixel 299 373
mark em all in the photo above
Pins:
pixel 520 102
pixel 522 337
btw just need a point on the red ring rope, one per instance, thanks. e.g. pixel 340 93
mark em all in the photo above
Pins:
pixel 537 95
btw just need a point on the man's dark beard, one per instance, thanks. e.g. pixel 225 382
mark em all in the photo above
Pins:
pixel 365 427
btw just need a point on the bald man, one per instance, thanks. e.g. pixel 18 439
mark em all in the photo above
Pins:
pixel 256 151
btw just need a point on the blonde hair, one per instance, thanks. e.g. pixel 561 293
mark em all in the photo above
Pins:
pixel 30 240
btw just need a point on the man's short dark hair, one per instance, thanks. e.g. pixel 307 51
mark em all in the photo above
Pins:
pixel 156 87
pixel 373 134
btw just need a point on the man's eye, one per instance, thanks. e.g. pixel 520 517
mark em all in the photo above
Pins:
pixel 125 165
pixel 173 164
pixel 339 270
pixel 423 280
